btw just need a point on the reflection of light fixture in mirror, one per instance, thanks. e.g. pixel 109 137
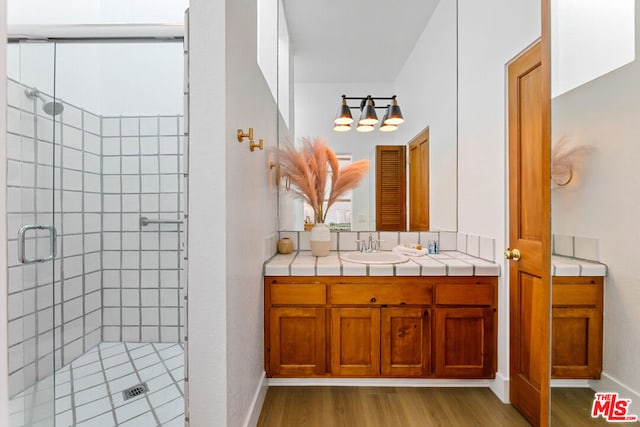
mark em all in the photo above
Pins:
pixel 343 117
pixel 342 128
pixel 394 115
pixel 368 114
pixel 368 117
pixel 364 128
pixel 386 126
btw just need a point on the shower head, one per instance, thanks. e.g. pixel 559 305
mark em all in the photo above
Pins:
pixel 52 108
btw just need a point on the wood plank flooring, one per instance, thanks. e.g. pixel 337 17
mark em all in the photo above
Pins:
pixel 408 407
pixel 385 407
pixel 572 407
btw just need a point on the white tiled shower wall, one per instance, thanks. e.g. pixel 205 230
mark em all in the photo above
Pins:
pixel 108 172
pixel 141 266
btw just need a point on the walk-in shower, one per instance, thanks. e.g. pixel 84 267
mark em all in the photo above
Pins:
pixel 96 226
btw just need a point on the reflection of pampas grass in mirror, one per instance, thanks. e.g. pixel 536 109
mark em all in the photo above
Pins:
pixel 307 169
pixel 566 160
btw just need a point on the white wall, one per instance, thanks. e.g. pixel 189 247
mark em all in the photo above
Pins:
pixel 251 201
pixel 602 202
pixel 207 267
pixel 426 89
pixel 4 364
pixel 588 40
pixel 232 209
pixel 491 33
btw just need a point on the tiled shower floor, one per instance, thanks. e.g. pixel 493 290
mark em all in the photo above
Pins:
pixel 89 390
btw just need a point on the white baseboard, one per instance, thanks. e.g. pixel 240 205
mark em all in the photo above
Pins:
pixel 607 383
pixel 570 383
pixel 500 387
pixel 256 403
pixel 377 382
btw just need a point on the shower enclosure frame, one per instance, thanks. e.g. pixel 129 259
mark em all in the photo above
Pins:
pixel 108 34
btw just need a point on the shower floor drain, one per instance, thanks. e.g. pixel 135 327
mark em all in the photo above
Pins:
pixel 135 391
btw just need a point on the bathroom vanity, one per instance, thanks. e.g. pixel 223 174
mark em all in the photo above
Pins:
pixel 577 313
pixel 327 318
pixel 577 327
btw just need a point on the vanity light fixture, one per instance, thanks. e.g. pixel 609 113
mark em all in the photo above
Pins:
pixel 368 117
pixel 387 126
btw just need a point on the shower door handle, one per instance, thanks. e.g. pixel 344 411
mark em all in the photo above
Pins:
pixel 53 236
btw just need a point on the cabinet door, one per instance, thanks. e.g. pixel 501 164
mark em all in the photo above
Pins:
pixel 405 341
pixel 577 343
pixel 355 341
pixel 297 341
pixel 465 342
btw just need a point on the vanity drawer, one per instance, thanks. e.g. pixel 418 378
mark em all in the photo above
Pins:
pixel 392 294
pixel 568 295
pixel 298 294
pixel 472 294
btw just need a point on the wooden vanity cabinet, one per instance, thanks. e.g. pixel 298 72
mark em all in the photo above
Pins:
pixel 465 338
pixel 295 329
pixel 380 326
pixel 576 327
pixel 355 341
pixel 387 341
pixel 405 343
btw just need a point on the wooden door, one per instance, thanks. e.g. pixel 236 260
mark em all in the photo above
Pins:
pixel 405 341
pixel 297 337
pixel 355 341
pixel 529 232
pixel 419 182
pixel 391 188
pixel 464 346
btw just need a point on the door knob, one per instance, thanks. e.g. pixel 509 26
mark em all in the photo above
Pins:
pixel 512 254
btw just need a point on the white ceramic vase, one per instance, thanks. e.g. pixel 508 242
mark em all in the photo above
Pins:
pixel 320 239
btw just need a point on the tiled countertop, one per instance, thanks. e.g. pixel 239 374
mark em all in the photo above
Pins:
pixel 446 263
pixel 565 266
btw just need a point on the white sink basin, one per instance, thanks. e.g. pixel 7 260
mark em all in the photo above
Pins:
pixel 373 257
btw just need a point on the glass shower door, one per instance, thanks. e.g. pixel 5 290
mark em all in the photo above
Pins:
pixel 34 285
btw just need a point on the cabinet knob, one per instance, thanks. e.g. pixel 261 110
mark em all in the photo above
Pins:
pixel 373 299
pixel 426 313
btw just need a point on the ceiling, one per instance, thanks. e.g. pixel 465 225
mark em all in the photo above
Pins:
pixel 354 40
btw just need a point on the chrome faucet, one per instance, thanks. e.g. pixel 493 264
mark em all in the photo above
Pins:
pixel 371 244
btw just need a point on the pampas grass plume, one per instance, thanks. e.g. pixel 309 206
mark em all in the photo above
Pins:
pixel 307 169
pixel 566 158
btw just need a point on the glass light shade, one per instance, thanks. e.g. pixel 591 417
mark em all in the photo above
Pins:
pixel 388 128
pixel 343 116
pixel 364 128
pixel 341 128
pixel 368 115
pixel 394 115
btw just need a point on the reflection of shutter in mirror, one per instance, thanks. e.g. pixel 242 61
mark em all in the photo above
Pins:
pixel 390 187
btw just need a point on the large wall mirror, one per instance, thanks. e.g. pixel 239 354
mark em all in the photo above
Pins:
pixel 361 48
pixel 595 117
